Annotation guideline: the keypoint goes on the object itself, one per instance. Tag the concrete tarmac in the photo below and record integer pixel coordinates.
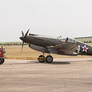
(63, 75)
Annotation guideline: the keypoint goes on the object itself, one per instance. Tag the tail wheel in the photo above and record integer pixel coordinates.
(41, 59)
(49, 59)
(2, 61)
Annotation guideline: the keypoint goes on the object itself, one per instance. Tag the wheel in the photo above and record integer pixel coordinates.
(2, 60)
(41, 59)
(49, 59)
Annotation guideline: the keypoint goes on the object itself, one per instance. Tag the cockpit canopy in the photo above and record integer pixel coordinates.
(68, 40)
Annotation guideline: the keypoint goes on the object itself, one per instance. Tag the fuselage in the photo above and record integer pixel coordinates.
(42, 41)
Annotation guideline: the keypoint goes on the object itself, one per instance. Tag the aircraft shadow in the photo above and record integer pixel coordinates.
(30, 62)
(58, 62)
(90, 60)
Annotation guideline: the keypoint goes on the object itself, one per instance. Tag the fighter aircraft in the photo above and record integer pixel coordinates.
(52, 45)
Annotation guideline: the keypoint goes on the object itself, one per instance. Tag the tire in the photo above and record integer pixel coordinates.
(2, 60)
(49, 59)
(41, 59)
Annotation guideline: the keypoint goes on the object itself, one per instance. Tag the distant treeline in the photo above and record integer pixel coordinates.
(11, 43)
(85, 39)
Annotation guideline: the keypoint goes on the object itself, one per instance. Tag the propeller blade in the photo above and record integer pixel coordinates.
(22, 45)
(22, 33)
(27, 32)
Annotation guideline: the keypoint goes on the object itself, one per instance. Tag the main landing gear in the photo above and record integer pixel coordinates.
(47, 59)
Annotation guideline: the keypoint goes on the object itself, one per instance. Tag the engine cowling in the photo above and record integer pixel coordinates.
(35, 47)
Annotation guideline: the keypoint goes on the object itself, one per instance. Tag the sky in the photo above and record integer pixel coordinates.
(68, 18)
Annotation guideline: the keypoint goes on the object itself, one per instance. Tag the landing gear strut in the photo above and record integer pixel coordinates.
(43, 59)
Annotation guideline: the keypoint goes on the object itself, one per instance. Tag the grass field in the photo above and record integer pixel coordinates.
(16, 52)
(88, 39)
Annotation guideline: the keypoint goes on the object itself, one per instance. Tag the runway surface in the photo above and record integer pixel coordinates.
(63, 75)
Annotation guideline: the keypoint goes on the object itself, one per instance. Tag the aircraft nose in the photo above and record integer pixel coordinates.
(21, 38)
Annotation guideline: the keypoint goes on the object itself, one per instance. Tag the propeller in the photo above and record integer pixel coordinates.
(22, 40)
(22, 44)
(27, 33)
(22, 33)
(23, 37)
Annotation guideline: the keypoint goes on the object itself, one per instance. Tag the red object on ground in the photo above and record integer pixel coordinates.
(1, 53)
